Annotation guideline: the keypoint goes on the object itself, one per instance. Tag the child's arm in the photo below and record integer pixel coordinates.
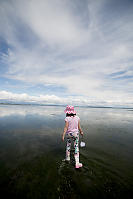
(79, 127)
(65, 130)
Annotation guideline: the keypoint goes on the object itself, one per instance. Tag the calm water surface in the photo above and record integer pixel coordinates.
(32, 154)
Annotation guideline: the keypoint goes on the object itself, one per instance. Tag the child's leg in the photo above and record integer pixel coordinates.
(76, 154)
(76, 147)
(68, 147)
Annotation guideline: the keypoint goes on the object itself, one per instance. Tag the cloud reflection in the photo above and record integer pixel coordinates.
(9, 110)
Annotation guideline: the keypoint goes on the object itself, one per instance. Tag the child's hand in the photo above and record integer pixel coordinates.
(63, 138)
(81, 133)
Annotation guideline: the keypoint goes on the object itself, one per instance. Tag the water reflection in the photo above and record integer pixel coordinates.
(31, 153)
(23, 110)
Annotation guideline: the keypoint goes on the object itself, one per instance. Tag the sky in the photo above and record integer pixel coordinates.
(77, 52)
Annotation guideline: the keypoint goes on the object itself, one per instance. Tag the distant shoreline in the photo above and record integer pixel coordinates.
(82, 106)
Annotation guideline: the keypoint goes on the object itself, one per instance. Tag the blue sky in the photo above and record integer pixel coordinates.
(67, 52)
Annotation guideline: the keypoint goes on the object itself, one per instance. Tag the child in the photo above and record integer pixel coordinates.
(72, 126)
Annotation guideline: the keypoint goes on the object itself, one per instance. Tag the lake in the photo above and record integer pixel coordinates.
(32, 154)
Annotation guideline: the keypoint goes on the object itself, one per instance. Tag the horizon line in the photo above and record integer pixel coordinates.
(63, 105)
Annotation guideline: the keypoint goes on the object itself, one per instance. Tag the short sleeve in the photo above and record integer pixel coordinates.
(66, 119)
(78, 118)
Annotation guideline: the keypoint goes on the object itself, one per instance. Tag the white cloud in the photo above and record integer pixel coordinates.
(4, 95)
(52, 21)
(68, 48)
(104, 100)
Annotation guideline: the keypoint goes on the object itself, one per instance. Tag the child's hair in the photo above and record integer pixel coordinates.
(70, 114)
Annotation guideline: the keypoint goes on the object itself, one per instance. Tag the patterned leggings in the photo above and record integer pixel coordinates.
(75, 137)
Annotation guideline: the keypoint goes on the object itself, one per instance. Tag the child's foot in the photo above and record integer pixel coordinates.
(68, 159)
(78, 165)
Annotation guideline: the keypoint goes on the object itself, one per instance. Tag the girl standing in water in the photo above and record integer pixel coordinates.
(71, 130)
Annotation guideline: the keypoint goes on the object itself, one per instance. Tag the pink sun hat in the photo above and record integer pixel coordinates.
(70, 109)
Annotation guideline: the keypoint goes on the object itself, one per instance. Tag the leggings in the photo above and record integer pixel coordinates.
(75, 137)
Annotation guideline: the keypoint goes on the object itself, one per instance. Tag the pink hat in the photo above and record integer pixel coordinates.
(70, 109)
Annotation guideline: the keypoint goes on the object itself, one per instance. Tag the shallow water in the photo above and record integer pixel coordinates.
(32, 154)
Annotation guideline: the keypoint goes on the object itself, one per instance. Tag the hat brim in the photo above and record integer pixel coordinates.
(70, 112)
